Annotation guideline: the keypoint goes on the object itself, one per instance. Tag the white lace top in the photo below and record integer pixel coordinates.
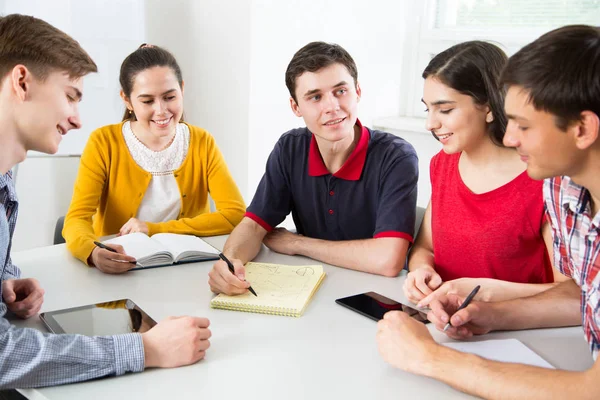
(161, 202)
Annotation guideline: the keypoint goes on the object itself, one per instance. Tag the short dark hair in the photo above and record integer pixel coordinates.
(474, 68)
(145, 57)
(315, 56)
(560, 71)
(40, 47)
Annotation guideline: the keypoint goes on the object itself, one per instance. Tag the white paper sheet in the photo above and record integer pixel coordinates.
(505, 350)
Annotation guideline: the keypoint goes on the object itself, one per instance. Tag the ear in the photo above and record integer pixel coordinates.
(182, 85)
(358, 91)
(586, 131)
(295, 108)
(126, 100)
(489, 117)
(21, 78)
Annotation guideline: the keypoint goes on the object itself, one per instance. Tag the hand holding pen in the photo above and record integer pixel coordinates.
(232, 269)
(111, 259)
(463, 305)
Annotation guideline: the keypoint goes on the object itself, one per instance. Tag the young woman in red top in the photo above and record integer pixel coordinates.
(485, 224)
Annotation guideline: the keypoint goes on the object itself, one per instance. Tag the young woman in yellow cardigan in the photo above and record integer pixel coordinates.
(150, 173)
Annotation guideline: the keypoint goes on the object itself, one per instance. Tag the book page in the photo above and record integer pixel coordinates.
(138, 245)
(278, 286)
(180, 244)
(505, 350)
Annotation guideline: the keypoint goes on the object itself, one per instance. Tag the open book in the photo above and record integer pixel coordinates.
(163, 249)
(281, 289)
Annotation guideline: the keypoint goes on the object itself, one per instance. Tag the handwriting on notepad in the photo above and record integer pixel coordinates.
(281, 283)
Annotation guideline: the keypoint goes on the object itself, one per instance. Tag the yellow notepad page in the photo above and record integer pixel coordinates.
(281, 289)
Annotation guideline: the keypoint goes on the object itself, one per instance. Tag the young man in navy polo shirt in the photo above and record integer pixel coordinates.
(351, 190)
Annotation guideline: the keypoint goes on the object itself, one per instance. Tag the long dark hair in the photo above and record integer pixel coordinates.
(474, 68)
(146, 56)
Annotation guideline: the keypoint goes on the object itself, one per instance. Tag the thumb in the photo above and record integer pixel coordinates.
(240, 271)
(435, 281)
(8, 291)
(118, 248)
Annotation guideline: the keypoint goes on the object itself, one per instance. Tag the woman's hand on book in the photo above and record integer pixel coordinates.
(222, 280)
(133, 225)
(176, 341)
(110, 262)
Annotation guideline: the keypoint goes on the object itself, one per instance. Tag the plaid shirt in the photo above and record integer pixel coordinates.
(576, 247)
(29, 358)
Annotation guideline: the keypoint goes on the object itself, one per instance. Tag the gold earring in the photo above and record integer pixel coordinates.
(130, 111)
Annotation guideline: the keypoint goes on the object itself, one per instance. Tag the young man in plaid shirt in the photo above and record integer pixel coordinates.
(553, 106)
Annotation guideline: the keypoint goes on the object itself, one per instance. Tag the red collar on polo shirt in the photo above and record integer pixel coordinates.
(352, 168)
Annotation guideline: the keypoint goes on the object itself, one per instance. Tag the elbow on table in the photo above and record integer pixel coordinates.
(391, 266)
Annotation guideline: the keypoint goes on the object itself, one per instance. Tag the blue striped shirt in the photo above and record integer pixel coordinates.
(29, 358)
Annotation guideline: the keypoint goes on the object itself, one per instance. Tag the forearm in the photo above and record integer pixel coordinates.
(34, 359)
(419, 257)
(245, 241)
(209, 224)
(79, 237)
(557, 306)
(382, 256)
(11, 271)
(494, 380)
(498, 290)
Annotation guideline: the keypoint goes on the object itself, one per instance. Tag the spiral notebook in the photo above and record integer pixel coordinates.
(282, 289)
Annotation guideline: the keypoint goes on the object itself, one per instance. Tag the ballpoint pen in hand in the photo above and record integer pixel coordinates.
(230, 265)
(463, 305)
(105, 247)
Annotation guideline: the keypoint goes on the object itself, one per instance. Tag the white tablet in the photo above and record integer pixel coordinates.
(110, 318)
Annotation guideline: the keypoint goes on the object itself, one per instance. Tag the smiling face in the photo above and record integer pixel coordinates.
(328, 102)
(454, 118)
(157, 101)
(547, 150)
(49, 110)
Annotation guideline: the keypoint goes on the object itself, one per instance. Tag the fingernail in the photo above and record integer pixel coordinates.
(457, 321)
(241, 277)
(445, 318)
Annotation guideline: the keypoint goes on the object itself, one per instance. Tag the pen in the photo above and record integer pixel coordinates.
(105, 247)
(464, 304)
(230, 265)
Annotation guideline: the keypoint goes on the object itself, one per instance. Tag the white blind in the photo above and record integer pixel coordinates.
(494, 14)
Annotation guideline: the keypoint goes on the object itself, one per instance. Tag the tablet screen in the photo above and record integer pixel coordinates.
(374, 306)
(110, 318)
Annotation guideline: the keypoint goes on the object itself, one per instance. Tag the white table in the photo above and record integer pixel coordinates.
(328, 353)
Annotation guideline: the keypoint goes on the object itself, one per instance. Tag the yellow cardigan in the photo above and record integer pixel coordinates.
(110, 186)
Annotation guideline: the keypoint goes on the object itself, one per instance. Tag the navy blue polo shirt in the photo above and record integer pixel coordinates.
(374, 193)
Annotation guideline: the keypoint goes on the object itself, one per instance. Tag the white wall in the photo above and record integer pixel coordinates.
(211, 42)
(233, 54)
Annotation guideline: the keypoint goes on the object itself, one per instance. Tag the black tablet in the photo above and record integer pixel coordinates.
(110, 318)
(373, 305)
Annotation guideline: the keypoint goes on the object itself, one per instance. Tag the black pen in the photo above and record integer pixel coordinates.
(105, 247)
(230, 265)
(464, 304)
